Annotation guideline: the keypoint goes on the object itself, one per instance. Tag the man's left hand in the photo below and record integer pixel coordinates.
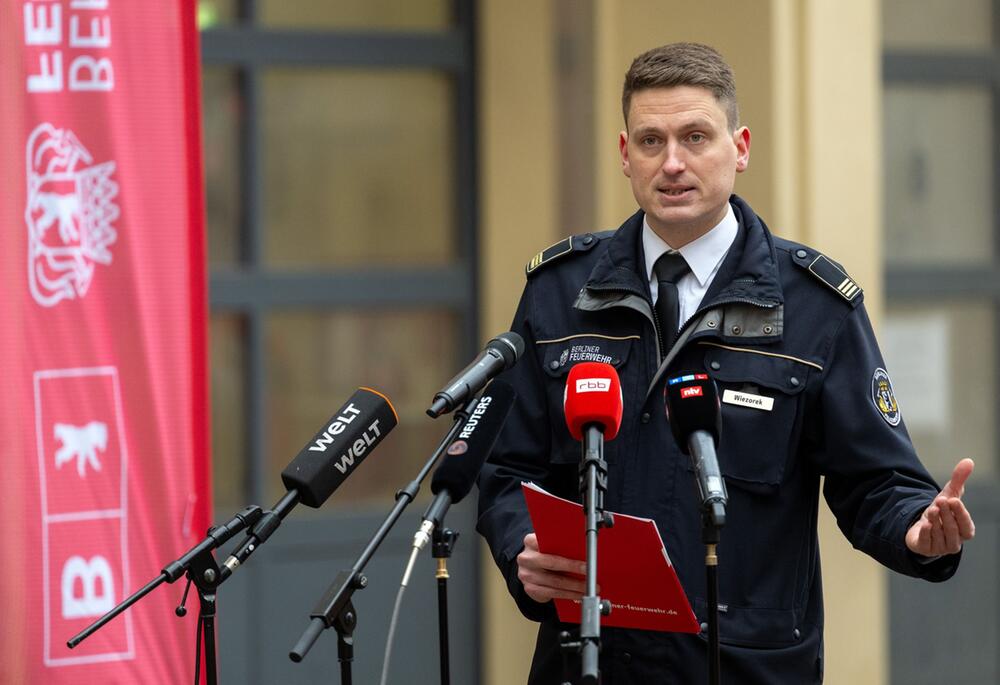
(946, 523)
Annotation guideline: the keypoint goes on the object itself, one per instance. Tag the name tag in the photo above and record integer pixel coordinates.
(745, 399)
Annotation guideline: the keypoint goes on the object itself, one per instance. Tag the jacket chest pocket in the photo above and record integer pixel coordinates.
(762, 400)
(558, 357)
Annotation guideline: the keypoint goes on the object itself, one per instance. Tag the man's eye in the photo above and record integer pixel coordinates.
(648, 140)
(697, 137)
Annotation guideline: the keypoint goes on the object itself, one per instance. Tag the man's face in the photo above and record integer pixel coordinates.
(681, 159)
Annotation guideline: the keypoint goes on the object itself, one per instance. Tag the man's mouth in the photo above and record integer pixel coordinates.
(675, 191)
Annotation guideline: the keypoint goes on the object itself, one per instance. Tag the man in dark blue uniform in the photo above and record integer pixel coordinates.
(696, 281)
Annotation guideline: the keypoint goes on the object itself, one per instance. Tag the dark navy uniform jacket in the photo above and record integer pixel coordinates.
(777, 322)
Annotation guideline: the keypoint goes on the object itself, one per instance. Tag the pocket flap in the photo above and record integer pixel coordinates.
(761, 393)
(751, 626)
(767, 369)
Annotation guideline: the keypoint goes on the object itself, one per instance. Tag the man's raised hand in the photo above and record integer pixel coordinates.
(945, 523)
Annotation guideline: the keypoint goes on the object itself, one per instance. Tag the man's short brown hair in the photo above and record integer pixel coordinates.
(683, 64)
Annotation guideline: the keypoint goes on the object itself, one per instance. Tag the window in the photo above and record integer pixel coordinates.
(940, 334)
(340, 175)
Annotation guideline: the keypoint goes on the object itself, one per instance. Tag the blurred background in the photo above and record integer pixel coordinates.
(379, 171)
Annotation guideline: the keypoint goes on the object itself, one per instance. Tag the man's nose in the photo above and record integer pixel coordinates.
(673, 162)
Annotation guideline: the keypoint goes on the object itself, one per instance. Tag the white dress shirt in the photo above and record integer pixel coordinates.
(704, 257)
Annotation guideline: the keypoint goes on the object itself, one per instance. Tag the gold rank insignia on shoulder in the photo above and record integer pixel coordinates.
(548, 254)
(835, 277)
(576, 243)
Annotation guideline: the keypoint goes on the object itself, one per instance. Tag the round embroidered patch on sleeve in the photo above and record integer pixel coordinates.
(884, 398)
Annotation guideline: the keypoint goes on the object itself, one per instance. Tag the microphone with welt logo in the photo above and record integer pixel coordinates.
(466, 455)
(695, 417)
(324, 463)
(500, 354)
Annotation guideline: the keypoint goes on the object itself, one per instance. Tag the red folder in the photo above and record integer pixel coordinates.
(633, 569)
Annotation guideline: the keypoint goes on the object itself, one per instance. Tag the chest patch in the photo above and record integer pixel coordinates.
(884, 398)
(584, 353)
(746, 399)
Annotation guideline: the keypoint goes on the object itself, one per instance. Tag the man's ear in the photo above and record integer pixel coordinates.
(741, 139)
(623, 150)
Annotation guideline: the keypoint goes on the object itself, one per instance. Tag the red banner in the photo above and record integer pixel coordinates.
(103, 389)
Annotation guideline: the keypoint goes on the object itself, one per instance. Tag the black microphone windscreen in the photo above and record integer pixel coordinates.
(510, 346)
(466, 455)
(336, 450)
(692, 405)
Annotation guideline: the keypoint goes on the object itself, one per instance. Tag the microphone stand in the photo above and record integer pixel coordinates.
(713, 518)
(199, 565)
(710, 532)
(443, 546)
(593, 485)
(335, 608)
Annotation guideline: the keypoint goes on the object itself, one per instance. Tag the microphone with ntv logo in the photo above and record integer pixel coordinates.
(695, 416)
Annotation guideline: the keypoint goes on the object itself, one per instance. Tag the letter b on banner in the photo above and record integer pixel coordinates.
(96, 583)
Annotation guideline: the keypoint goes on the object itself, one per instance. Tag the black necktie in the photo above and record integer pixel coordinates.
(669, 269)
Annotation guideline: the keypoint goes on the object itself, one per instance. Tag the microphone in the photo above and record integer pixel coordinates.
(336, 450)
(323, 464)
(593, 397)
(695, 417)
(592, 402)
(465, 457)
(500, 354)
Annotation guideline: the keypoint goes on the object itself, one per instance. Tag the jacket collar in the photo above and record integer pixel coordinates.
(747, 274)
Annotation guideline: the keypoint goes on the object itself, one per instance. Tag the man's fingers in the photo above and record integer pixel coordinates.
(937, 530)
(543, 585)
(956, 486)
(562, 564)
(556, 581)
(949, 527)
(942, 529)
(966, 526)
(531, 557)
(544, 594)
(924, 539)
(550, 562)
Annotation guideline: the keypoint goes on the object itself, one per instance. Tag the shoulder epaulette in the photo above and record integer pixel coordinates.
(575, 243)
(829, 273)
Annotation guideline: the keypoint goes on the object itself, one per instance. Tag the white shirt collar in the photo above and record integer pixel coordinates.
(702, 255)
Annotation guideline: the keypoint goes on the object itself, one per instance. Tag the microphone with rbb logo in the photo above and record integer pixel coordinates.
(593, 397)
(592, 403)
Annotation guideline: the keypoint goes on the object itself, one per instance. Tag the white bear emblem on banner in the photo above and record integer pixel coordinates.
(70, 215)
